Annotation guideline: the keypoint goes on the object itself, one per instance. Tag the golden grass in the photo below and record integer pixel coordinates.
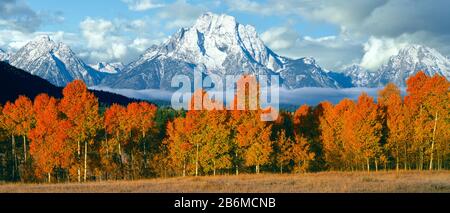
(404, 181)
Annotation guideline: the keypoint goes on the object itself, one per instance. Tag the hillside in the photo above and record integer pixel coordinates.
(15, 82)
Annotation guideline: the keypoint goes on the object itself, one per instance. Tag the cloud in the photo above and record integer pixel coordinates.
(379, 50)
(411, 21)
(116, 40)
(331, 52)
(314, 95)
(141, 5)
(296, 97)
(280, 37)
(180, 14)
(95, 31)
(147, 94)
(12, 40)
(17, 15)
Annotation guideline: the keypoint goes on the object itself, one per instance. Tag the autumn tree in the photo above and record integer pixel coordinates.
(307, 142)
(114, 123)
(428, 101)
(253, 138)
(180, 149)
(17, 120)
(49, 139)
(397, 123)
(81, 109)
(367, 129)
(139, 121)
(335, 135)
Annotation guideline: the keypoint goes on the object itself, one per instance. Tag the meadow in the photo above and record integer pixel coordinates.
(321, 182)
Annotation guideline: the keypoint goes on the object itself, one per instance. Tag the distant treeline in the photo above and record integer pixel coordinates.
(73, 138)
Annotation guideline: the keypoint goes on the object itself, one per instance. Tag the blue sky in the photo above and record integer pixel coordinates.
(336, 33)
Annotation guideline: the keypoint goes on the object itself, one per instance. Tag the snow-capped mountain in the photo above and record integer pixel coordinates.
(4, 56)
(408, 62)
(305, 72)
(359, 76)
(108, 68)
(55, 62)
(219, 45)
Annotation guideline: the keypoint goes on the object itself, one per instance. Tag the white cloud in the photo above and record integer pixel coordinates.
(17, 15)
(410, 21)
(12, 40)
(180, 14)
(116, 40)
(378, 51)
(141, 5)
(95, 31)
(141, 44)
(331, 52)
(280, 37)
(314, 95)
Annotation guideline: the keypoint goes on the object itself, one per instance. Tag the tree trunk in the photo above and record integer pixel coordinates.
(196, 162)
(13, 151)
(281, 169)
(421, 160)
(121, 163)
(85, 160)
(214, 167)
(24, 148)
(368, 165)
(237, 165)
(406, 158)
(49, 177)
(432, 143)
(79, 156)
(184, 168)
(145, 155)
(397, 159)
(257, 169)
(376, 165)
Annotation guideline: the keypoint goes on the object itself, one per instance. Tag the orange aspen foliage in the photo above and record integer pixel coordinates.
(49, 139)
(397, 123)
(81, 109)
(367, 131)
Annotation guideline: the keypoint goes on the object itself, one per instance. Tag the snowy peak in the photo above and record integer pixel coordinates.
(212, 42)
(409, 61)
(360, 77)
(222, 46)
(55, 62)
(109, 68)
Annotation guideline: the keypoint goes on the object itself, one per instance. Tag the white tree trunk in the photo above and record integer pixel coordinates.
(432, 143)
(85, 160)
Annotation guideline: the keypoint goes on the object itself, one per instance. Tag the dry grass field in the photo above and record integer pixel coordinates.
(406, 181)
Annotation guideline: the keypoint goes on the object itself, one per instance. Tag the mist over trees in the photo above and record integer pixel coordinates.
(76, 139)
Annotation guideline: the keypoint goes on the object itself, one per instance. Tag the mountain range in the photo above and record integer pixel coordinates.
(220, 45)
(55, 62)
(398, 68)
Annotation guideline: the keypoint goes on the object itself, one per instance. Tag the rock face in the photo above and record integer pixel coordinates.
(220, 45)
(55, 62)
